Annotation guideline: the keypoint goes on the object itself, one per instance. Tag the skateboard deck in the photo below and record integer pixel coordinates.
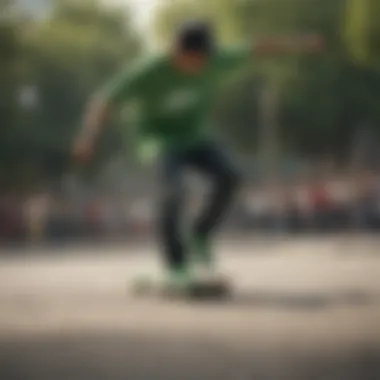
(197, 290)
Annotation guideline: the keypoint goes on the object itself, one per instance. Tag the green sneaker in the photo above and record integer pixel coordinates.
(179, 279)
(174, 282)
(203, 254)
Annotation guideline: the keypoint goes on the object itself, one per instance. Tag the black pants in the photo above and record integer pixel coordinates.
(209, 160)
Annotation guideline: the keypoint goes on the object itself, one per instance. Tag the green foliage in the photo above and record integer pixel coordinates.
(361, 31)
(62, 59)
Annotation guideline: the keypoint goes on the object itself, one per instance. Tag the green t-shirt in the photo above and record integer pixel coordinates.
(171, 107)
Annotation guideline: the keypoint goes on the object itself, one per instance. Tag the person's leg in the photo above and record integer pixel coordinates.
(212, 161)
(171, 205)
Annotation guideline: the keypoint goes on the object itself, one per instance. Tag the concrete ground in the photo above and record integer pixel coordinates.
(301, 309)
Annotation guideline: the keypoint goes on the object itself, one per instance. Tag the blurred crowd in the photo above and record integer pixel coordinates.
(320, 205)
(317, 206)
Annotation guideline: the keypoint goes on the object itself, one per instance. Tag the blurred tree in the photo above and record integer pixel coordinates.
(361, 31)
(306, 86)
(62, 60)
(10, 52)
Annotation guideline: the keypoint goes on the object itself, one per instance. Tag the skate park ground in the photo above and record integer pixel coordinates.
(302, 308)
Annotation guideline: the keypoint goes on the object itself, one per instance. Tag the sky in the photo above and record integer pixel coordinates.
(144, 9)
(144, 12)
(35, 6)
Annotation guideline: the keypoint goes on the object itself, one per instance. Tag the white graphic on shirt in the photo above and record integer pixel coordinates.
(179, 101)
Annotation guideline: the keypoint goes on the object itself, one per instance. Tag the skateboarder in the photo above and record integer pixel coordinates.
(173, 95)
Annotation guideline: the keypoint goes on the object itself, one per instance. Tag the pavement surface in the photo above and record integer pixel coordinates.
(301, 309)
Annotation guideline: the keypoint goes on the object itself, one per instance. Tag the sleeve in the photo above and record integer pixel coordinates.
(127, 84)
(233, 59)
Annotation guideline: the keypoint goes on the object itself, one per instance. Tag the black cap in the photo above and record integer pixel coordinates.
(196, 36)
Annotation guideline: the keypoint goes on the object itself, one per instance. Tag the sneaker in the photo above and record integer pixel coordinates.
(179, 279)
(205, 270)
(203, 255)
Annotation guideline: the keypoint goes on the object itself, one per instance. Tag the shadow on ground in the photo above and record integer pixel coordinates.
(134, 357)
(292, 301)
(260, 299)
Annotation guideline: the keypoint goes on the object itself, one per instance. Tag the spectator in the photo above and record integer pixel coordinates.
(93, 217)
(321, 205)
(341, 196)
(36, 215)
(256, 208)
(11, 219)
(365, 210)
(141, 214)
(304, 206)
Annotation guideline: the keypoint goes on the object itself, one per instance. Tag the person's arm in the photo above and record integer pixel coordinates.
(122, 87)
(241, 56)
(280, 45)
(96, 116)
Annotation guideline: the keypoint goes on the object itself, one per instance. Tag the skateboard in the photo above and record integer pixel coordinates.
(213, 289)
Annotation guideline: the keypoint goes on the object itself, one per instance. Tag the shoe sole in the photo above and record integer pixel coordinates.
(199, 290)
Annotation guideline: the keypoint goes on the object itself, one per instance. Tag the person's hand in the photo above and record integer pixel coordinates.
(309, 43)
(312, 43)
(83, 149)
